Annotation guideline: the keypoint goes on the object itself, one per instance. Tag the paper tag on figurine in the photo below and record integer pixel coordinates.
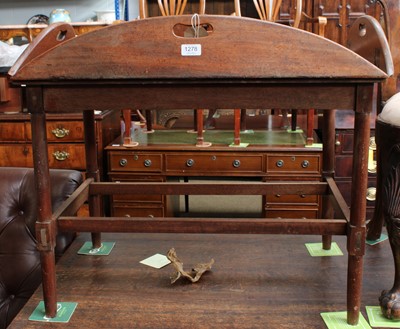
(191, 50)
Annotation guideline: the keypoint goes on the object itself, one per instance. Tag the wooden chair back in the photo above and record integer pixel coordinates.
(169, 7)
(268, 10)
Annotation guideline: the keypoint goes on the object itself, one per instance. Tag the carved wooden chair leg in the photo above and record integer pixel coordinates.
(390, 300)
(386, 135)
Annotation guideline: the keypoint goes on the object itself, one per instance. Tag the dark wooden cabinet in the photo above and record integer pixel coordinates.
(344, 159)
(343, 168)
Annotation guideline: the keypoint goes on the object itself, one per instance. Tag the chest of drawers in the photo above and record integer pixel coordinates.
(65, 135)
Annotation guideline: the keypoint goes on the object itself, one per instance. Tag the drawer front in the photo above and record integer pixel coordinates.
(291, 213)
(343, 166)
(16, 155)
(293, 199)
(137, 197)
(62, 156)
(61, 131)
(344, 142)
(135, 162)
(214, 163)
(293, 164)
(12, 131)
(137, 211)
(10, 98)
(67, 156)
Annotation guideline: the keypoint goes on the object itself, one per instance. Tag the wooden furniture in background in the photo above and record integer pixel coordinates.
(178, 83)
(64, 131)
(160, 161)
(344, 143)
(31, 31)
(65, 136)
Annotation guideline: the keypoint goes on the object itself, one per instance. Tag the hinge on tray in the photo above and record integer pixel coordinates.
(356, 240)
(46, 235)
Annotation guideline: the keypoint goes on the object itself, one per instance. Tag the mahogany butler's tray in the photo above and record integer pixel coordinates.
(243, 63)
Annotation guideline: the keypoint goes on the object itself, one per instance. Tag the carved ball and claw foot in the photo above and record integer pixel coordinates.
(390, 304)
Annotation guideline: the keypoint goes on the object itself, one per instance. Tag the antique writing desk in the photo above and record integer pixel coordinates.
(243, 63)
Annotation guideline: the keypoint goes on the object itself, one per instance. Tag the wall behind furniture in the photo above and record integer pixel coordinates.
(20, 11)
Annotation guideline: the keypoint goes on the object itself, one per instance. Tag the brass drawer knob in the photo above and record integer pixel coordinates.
(279, 163)
(371, 194)
(305, 164)
(190, 162)
(236, 163)
(372, 167)
(123, 162)
(61, 155)
(147, 163)
(60, 132)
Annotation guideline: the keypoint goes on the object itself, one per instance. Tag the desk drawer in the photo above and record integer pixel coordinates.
(62, 156)
(214, 163)
(154, 198)
(61, 131)
(16, 155)
(67, 156)
(291, 213)
(293, 164)
(137, 211)
(135, 162)
(12, 131)
(293, 199)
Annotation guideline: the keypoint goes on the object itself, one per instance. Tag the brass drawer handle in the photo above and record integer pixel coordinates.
(190, 162)
(147, 163)
(279, 163)
(123, 162)
(372, 156)
(305, 164)
(371, 194)
(236, 163)
(61, 155)
(60, 132)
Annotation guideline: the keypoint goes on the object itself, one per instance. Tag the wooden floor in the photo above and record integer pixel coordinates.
(256, 282)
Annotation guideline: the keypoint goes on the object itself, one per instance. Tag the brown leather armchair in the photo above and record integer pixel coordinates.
(20, 272)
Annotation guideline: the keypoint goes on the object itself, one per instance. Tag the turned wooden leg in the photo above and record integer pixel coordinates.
(45, 226)
(149, 120)
(236, 139)
(92, 169)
